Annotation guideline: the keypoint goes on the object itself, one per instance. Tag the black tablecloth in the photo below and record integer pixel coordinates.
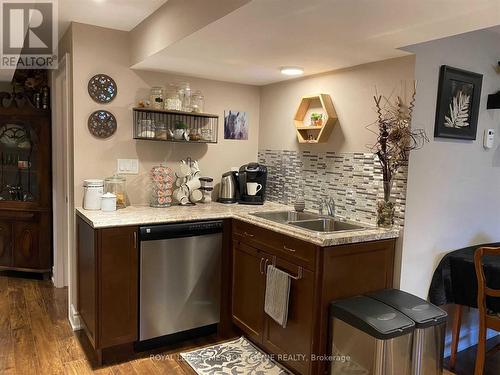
(454, 280)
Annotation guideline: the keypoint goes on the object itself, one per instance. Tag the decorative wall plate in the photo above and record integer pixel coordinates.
(102, 88)
(102, 124)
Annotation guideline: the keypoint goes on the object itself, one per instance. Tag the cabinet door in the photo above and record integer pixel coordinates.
(117, 280)
(86, 277)
(25, 147)
(248, 290)
(5, 244)
(296, 338)
(26, 240)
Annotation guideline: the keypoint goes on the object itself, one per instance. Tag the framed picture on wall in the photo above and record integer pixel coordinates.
(457, 110)
(235, 125)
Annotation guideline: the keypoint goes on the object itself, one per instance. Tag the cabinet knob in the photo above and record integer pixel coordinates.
(248, 234)
(289, 249)
(260, 266)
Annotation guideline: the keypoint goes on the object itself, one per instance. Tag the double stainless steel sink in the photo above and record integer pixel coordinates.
(308, 220)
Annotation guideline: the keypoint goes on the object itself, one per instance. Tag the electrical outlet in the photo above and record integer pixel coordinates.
(128, 166)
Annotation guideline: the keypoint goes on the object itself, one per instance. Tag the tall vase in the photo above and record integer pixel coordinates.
(386, 207)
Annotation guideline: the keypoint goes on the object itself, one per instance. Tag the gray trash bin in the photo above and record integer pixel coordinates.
(369, 337)
(430, 329)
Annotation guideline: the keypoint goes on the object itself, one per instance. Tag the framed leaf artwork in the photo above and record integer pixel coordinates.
(459, 94)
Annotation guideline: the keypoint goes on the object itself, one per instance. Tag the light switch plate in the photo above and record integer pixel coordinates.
(128, 166)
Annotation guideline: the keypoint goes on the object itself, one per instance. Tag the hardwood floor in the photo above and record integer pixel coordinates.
(466, 359)
(36, 338)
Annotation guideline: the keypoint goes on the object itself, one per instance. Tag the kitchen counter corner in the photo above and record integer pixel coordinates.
(145, 215)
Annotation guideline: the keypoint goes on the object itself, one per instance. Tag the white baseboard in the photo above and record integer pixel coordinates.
(74, 319)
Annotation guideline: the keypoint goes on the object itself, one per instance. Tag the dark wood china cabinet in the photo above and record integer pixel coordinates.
(25, 185)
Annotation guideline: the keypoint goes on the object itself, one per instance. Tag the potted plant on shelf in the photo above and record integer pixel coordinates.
(316, 119)
(395, 140)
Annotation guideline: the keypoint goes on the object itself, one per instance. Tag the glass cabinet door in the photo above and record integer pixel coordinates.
(19, 164)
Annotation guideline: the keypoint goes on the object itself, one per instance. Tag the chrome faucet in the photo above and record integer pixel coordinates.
(329, 204)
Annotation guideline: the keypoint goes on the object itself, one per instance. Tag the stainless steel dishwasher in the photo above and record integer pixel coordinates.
(180, 267)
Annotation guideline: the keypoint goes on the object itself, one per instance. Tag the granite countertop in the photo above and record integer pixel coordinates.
(144, 215)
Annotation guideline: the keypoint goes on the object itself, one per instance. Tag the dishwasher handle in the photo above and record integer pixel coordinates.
(179, 230)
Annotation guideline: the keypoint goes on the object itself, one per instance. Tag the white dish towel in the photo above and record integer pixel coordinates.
(277, 295)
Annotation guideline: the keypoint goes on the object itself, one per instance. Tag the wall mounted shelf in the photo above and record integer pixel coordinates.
(315, 133)
(157, 125)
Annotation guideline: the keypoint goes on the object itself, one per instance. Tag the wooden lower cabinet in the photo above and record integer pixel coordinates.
(26, 237)
(25, 241)
(327, 273)
(295, 340)
(107, 267)
(248, 290)
(118, 285)
(108, 285)
(249, 283)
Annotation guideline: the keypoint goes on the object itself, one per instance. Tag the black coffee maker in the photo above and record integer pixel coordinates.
(252, 183)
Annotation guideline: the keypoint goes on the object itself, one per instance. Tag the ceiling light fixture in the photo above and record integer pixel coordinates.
(292, 70)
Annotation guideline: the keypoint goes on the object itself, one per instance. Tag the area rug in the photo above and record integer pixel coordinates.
(233, 357)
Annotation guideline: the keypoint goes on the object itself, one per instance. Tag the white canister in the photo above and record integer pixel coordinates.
(108, 202)
(93, 191)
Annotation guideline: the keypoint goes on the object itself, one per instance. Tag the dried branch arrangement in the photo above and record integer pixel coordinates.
(395, 140)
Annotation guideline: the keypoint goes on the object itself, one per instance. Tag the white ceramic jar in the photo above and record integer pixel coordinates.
(93, 191)
(108, 202)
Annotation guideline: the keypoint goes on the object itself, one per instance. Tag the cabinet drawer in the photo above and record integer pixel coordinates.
(299, 252)
(296, 251)
(257, 236)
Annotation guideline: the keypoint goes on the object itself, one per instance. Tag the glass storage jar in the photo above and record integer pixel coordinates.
(117, 185)
(160, 130)
(156, 97)
(197, 101)
(172, 100)
(206, 135)
(145, 128)
(185, 96)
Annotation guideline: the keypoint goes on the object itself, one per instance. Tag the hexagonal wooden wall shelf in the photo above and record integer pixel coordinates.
(308, 132)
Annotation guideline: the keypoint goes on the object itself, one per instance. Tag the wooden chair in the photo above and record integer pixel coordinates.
(485, 321)
(455, 335)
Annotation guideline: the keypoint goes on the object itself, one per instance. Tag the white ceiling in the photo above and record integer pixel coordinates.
(115, 14)
(250, 44)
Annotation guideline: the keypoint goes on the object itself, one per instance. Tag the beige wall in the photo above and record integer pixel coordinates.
(352, 93)
(453, 185)
(99, 50)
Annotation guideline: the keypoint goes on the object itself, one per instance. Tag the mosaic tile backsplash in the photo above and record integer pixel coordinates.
(353, 180)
